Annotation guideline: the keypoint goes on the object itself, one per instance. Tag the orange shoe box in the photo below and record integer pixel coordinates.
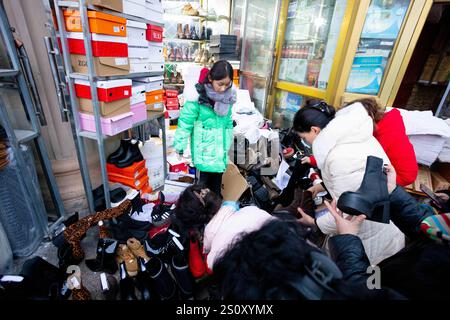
(153, 97)
(133, 171)
(137, 184)
(99, 22)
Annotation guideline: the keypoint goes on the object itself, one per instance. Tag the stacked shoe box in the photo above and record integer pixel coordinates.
(109, 43)
(172, 104)
(154, 35)
(137, 47)
(223, 47)
(114, 105)
(134, 176)
(152, 152)
(154, 92)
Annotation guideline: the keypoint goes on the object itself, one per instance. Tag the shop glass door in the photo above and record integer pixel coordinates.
(258, 45)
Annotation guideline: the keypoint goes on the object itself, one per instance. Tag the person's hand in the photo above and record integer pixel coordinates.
(443, 196)
(391, 177)
(316, 189)
(348, 225)
(306, 219)
(306, 160)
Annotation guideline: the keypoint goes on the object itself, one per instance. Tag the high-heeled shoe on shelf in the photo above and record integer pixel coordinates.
(372, 197)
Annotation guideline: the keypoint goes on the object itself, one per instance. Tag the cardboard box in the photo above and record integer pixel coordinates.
(135, 8)
(155, 107)
(107, 109)
(233, 184)
(439, 182)
(136, 34)
(115, 5)
(154, 96)
(423, 177)
(99, 22)
(107, 91)
(103, 66)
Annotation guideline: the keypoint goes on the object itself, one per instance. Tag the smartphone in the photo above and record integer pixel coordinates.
(430, 194)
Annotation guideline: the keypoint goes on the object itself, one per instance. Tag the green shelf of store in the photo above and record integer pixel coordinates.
(82, 76)
(151, 115)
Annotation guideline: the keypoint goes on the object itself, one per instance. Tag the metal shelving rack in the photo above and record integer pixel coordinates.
(17, 136)
(93, 78)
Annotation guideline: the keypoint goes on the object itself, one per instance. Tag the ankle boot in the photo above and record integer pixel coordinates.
(180, 31)
(194, 35)
(187, 34)
(372, 197)
(302, 199)
(180, 269)
(105, 260)
(164, 283)
(127, 289)
(132, 155)
(79, 292)
(203, 33)
(103, 232)
(144, 283)
(76, 231)
(124, 145)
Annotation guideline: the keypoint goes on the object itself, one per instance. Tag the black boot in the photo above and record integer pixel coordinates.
(180, 269)
(132, 155)
(144, 283)
(194, 35)
(109, 286)
(203, 34)
(372, 197)
(120, 152)
(126, 284)
(105, 260)
(164, 283)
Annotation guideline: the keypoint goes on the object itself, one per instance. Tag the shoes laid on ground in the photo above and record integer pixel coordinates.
(105, 259)
(126, 257)
(127, 287)
(137, 249)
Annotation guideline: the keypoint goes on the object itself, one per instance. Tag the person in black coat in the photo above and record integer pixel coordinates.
(279, 262)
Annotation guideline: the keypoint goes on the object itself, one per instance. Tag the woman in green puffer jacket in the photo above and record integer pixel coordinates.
(208, 123)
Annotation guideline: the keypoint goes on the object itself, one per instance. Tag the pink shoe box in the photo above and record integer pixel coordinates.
(110, 126)
(139, 111)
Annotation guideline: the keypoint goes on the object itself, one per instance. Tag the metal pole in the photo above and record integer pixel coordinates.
(162, 123)
(94, 97)
(74, 118)
(442, 102)
(28, 105)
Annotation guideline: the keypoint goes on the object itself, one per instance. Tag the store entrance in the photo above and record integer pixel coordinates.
(426, 81)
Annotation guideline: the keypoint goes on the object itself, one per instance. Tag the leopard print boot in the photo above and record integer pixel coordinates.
(75, 232)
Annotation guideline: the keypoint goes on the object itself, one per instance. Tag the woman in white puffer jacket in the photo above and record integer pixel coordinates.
(341, 145)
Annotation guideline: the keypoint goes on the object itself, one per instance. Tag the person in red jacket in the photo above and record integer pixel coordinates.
(389, 130)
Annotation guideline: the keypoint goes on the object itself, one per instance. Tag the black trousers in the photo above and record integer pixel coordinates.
(212, 180)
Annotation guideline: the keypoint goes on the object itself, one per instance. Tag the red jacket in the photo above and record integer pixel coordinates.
(391, 134)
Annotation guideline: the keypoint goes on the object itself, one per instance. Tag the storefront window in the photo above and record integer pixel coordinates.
(381, 28)
(285, 107)
(312, 32)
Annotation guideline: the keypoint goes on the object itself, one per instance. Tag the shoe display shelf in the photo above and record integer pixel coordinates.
(93, 79)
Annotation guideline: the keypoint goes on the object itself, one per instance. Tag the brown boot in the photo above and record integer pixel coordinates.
(124, 254)
(76, 231)
(302, 199)
(187, 34)
(137, 248)
(180, 31)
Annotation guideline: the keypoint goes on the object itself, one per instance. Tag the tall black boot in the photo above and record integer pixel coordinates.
(126, 284)
(372, 197)
(105, 260)
(145, 283)
(119, 153)
(164, 283)
(180, 269)
(132, 155)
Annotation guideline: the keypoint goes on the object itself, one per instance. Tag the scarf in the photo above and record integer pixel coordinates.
(219, 101)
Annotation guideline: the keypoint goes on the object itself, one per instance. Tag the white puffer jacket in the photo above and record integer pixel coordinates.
(341, 151)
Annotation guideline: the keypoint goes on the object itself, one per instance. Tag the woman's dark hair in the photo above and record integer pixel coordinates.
(190, 213)
(372, 107)
(220, 70)
(314, 113)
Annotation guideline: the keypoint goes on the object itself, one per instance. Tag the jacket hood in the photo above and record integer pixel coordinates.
(352, 124)
(391, 122)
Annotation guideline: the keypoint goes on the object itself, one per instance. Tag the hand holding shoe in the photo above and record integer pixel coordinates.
(306, 219)
(347, 225)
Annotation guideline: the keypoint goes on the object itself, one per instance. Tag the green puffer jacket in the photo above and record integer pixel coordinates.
(211, 136)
